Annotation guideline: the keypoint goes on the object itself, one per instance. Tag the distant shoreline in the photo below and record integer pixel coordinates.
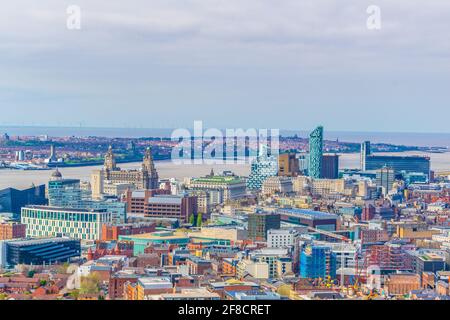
(431, 139)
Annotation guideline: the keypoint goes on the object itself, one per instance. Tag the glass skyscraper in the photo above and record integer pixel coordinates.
(365, 152)
(263, 167)
(316, 152)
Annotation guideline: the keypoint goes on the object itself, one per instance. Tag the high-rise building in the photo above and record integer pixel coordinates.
(316, 153)
(259, 223)
(385, 179)
(330, 166)
(262, 167)
(288, 165)
(317, 262)
(365, 152)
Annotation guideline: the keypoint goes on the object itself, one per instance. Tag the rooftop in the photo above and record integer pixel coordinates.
(319, 215)
(218, 179)
(155, 282)
(49, 208)
(29, 242)
(167, 199)
(158, 235)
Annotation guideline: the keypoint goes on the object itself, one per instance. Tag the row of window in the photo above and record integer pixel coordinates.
(68, 216)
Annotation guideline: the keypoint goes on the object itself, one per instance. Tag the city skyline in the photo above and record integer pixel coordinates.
(226, 157)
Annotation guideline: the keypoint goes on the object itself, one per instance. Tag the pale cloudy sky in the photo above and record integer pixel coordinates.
(289, 64)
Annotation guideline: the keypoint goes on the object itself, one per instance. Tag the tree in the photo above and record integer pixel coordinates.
(62, 268)
(199, 220)
(90, 284)
(192, 220)
(74, 294)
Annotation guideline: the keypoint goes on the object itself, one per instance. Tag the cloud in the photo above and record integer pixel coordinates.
(222, 54)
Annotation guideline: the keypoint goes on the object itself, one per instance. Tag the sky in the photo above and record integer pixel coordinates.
(286, 64)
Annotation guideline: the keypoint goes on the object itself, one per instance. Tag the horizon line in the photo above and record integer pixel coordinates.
(190, 128)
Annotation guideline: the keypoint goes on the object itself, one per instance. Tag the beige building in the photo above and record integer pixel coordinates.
(258, 270)
(323, 187)
(400, 284)
(277, 185)
(145, 178)
(214, 233)
(117, 189)
(284, 267)
(231, 187)
(301, 185)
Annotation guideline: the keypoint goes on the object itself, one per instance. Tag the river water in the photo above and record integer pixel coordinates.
(167, 169)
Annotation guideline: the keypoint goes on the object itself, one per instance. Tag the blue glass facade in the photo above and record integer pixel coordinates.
(407, 164)
(263, 167)
(316, 153)
(317, 262)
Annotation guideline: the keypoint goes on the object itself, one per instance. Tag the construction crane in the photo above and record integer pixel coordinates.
(359, 270)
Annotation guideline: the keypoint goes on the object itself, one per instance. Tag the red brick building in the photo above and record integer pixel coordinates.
(158, 204)
(117, 284)
(148, 260)
(368, 213)
(162, 250)
(198, 266)
(112, 232)
(12, 230)
(102, 249)
(373, 236)
(136, 200)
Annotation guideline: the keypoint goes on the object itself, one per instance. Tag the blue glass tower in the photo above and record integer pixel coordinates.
(316, 153)
(263, 167)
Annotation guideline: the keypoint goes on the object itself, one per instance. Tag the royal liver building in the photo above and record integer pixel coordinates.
(145, 178)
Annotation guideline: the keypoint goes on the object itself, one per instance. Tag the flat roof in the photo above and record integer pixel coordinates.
(155, 282)
(166, 199)
(49, 208)
(34, 241)
(319, 215)
(156, 236)
(233, 282)
(219, 179)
